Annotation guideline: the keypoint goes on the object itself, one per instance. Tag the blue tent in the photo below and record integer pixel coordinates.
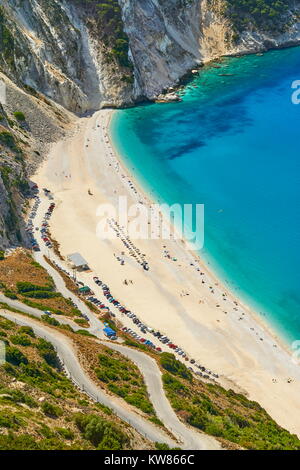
(109, 332)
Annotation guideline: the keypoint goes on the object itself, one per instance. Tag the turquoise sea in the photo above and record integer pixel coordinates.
(233, 145)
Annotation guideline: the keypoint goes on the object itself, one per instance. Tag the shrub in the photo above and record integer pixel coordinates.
(27, 330)
(173, 384)
(84, 333)
(17, 396)
(41, 294)
(80, 321)
(102, 434)
(156, 420)
(53, 411)
(20, 339)
(29, 287)
(198, 419)
(161, 446)
(50, 320)
(15, 356)
(47, 352)
(7, 139)
(19, 116)
(45, 431)
(134, 344)
(110, 443)
(104, 408)
(169, 362)
(65, 433)
(106, 375)
(138, 401)
(10, 295)
(6, 324)
(2, 257)
(14, 442)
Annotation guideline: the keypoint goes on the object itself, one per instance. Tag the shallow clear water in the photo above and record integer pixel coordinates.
(232, 144)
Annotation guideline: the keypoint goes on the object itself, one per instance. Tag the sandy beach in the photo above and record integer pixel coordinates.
(180, 298)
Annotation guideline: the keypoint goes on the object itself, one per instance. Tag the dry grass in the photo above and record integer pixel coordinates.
(20, 267)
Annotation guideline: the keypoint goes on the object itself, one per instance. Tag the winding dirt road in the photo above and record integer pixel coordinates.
(190, 439)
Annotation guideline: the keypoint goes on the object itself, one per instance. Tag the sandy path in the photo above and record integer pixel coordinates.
(170, 297)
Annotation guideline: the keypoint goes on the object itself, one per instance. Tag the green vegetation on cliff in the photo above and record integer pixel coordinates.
(6, 40)
(108, 18)
(123, 378)
(263, 15)
(223, 413)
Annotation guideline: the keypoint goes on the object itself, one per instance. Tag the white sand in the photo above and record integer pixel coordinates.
(224, 343)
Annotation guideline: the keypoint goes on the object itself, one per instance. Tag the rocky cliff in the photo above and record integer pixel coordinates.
(169, 37)
(28, 124)
(84, 54)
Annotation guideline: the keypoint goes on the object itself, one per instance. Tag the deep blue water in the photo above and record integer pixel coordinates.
(232, 144)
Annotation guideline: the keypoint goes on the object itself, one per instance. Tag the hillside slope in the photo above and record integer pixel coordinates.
(28, 124)
(42, 410)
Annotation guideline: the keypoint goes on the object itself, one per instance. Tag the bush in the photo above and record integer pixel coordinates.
(80, 321)
(161, 446)
(198, 419)
(134, 344)
(6, 138)
(50, 320)
(2, 257)
(47, 352)
(20, 339)
(102, 434)
(29, 287)
(14, 442)
(106, 375)
(53, 411)
(84, 333)
(6, 420)
(65, 433)
(27, 330)
(15, 356)
(41, 294)
(10, 295)
(17, 396)
(169, 362)
(19, 116)
(6, 324)
(173, 384)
